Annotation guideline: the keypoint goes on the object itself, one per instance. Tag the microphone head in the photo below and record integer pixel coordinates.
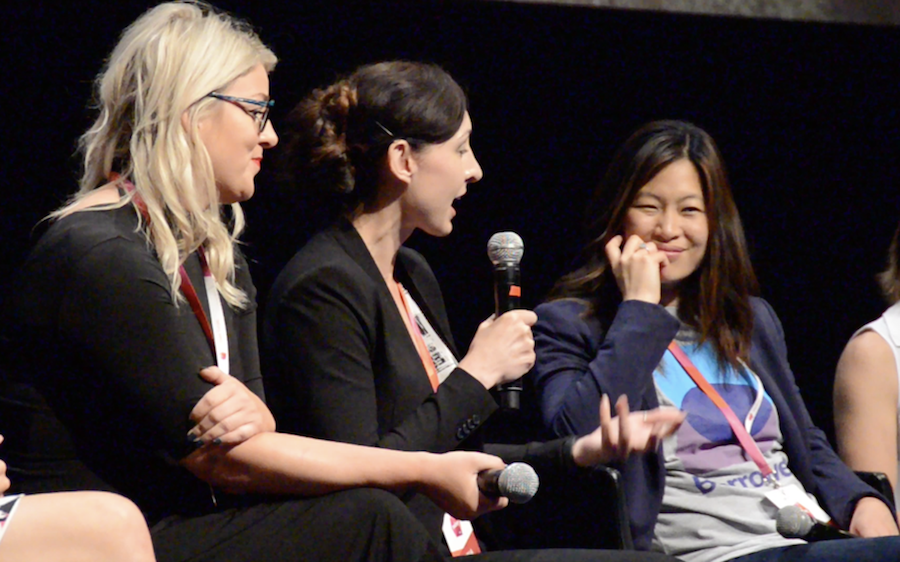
(518, 482)
(793, 523)
(505, 247)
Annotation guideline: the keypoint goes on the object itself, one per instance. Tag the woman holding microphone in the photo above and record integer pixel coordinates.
(356, 324)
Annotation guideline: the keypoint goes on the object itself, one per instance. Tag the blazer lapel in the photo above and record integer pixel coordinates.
(407, 271)
(351, 242)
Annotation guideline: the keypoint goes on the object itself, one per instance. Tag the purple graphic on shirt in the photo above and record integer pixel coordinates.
(705, 441)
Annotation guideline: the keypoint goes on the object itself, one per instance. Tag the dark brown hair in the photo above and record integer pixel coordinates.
(338, 136)
(714, 300)
(889, 279)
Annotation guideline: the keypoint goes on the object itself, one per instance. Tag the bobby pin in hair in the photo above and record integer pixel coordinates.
(385, 129)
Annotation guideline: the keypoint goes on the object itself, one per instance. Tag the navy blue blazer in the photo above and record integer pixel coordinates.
(578, 360)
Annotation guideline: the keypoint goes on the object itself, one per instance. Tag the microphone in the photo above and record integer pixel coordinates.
(518, 482)
(794, 523)
(505, 251)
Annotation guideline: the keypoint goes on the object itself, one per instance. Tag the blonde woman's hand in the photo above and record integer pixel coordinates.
(229, 413)
(502, 349)
(628, 433)
(636, 266)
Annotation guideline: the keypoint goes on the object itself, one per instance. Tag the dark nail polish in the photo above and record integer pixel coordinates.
(217, 441)
(194, 440)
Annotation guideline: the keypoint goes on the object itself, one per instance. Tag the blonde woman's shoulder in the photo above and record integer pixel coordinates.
(103, 197)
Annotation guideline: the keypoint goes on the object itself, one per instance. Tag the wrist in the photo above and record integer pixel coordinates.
(478, 372)
(643, 297)
(580, 455)
(586, 454)
(577, 451)
(422, 466)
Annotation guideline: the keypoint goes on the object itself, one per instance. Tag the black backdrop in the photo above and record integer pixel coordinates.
(804, 113)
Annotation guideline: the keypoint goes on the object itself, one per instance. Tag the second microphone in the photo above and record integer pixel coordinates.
(505, 250)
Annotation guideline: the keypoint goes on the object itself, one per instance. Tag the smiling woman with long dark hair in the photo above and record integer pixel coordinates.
(663, 313)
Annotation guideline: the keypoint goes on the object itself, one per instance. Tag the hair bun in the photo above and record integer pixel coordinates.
(333, 106)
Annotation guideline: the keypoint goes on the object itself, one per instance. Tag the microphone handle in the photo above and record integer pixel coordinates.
(821, 532)
(489, 482)
(507, 296)
(507, 287)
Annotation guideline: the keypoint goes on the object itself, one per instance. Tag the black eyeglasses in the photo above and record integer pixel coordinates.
(260, 116)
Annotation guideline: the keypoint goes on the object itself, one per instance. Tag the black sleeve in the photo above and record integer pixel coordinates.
(547, 458)
(144, 352)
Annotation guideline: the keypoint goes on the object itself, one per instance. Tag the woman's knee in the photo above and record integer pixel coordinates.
(121, 525)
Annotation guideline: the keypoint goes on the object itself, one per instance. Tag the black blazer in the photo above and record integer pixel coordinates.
(340, 363)
(344, 362)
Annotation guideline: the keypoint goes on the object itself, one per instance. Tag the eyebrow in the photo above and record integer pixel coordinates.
(658, 198)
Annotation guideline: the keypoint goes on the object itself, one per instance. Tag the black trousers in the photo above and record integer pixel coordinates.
(569, 555)
(362, 525)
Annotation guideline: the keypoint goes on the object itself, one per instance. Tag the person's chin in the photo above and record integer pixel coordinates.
(440, 231)
(238, 196)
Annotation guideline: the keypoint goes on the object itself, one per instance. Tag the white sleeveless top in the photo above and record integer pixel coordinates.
(888, 327)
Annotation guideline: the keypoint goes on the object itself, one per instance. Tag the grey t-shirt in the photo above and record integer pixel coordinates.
(714, 507)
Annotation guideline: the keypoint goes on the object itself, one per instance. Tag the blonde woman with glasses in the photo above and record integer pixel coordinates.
(135, 317)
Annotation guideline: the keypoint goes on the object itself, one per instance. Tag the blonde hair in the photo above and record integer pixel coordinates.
(164, 65)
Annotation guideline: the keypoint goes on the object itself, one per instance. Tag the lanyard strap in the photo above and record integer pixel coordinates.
(742, 434)
(421, 348)
(216, 334)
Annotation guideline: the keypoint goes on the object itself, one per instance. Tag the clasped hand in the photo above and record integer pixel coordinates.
(628, 433)
(229, 413)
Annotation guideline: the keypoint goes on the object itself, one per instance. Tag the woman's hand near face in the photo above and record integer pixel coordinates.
(628, 433)
(503, 348)
(636, 268)
(452, 483)
(229, 412)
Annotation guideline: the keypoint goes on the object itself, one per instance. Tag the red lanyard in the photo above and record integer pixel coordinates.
(187, 288)
(191, 295)
(743, 437)
(427, 361)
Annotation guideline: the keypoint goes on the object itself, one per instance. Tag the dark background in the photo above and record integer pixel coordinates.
(804, 113)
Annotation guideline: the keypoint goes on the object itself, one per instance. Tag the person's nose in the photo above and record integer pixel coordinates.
(669, 225)
(268, 138)
(474, 172)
